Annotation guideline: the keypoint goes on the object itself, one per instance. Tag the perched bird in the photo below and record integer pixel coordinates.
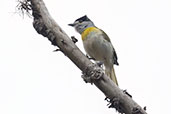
(97, 44)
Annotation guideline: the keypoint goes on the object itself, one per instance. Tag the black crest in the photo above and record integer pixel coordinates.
(84, 18)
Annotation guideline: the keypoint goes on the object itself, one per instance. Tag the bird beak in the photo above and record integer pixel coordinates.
(72, 25)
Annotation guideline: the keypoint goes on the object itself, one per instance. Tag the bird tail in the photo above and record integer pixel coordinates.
(111, 73)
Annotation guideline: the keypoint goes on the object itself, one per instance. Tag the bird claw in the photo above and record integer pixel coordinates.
(90, 58)
(99, 63)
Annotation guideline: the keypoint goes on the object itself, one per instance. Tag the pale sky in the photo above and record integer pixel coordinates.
(36, 80)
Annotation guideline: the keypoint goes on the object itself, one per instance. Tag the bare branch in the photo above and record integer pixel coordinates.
(46, 26)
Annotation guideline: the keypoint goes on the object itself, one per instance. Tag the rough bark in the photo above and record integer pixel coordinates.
(46, 26)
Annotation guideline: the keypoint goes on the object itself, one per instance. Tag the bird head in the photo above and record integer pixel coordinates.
(81, 24)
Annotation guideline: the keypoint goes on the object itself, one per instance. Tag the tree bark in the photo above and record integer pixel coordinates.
(45, 25)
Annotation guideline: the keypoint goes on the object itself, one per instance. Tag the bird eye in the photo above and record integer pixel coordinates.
(80, 21)
(85, 26)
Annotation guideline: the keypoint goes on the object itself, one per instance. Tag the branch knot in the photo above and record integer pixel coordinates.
(136, 110)
(91, 73)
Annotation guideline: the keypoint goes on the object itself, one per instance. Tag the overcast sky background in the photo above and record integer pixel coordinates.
(36, 80)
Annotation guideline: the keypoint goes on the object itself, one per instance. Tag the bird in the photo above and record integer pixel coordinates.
(97, 45)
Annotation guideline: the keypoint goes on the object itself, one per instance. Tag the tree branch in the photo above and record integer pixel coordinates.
(46, 26)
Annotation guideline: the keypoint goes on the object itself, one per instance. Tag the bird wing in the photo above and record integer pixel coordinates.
(105, 36)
